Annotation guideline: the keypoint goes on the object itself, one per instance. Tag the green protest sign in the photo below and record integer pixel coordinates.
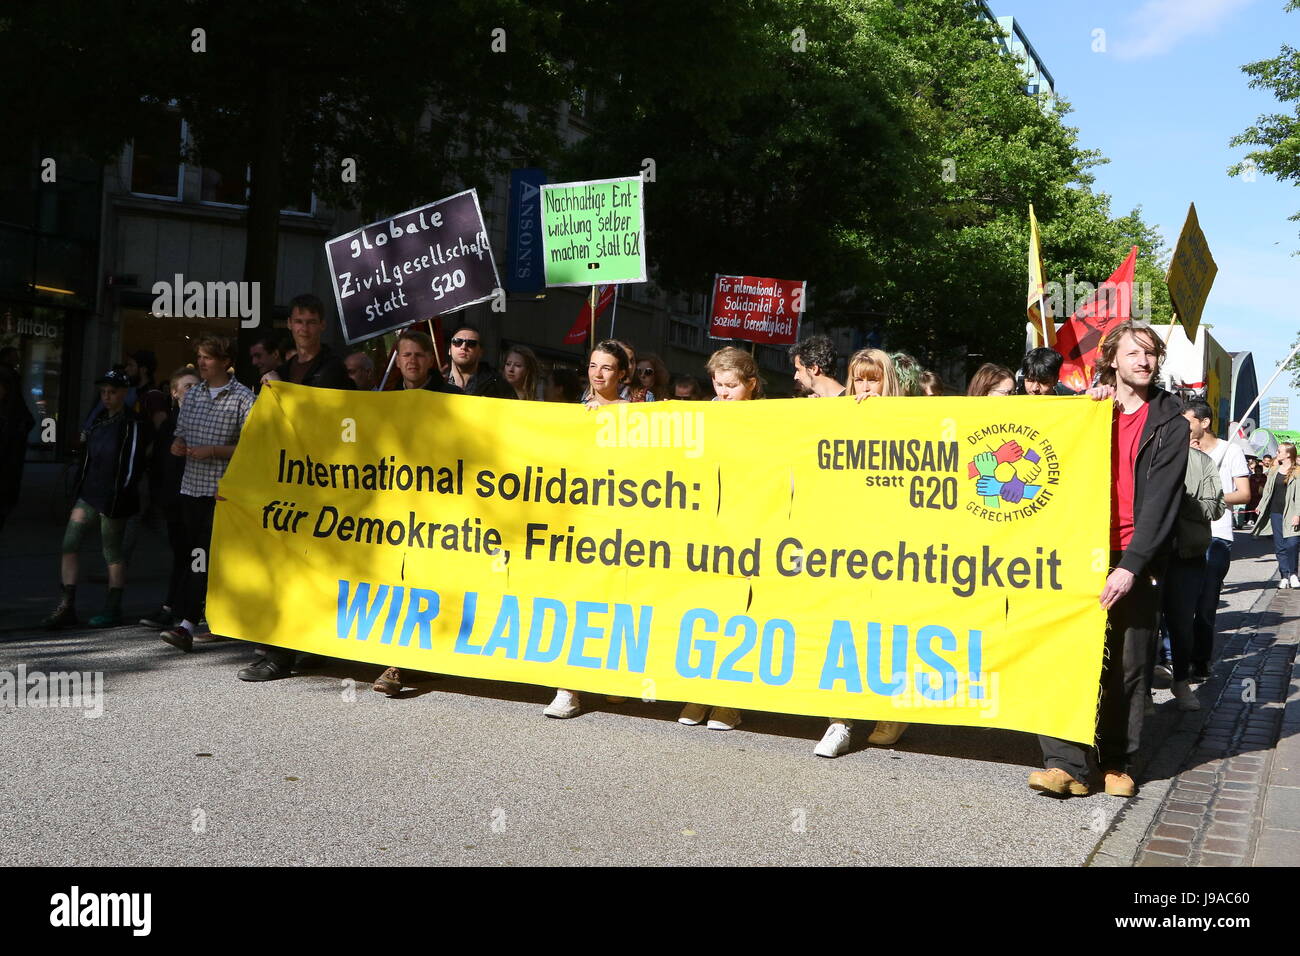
(592, 232)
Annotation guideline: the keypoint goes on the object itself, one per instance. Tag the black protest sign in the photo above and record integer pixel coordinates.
(412, 266)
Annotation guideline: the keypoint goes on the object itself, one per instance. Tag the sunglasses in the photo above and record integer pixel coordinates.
(645, 371)
(464, 343)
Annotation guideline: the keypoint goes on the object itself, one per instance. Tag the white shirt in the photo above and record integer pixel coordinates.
(1231, 462)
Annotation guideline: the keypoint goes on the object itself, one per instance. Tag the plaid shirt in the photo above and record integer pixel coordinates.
(205, 420)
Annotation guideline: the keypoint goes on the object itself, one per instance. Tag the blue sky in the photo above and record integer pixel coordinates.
(1161, 102)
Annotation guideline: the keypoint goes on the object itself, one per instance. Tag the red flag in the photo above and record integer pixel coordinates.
(582, 327)
(1080, 337)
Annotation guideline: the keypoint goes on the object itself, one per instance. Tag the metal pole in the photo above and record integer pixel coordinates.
(1267, 385)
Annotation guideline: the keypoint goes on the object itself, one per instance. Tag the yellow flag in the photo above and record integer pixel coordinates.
(1042, 326)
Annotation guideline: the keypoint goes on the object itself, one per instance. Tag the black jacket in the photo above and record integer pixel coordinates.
(485, 382)
(326, 370)
(1158, 474)
(115, 460)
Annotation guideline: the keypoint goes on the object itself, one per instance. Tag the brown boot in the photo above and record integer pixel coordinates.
(389, 682)
(1056, 780)
(1119, 784)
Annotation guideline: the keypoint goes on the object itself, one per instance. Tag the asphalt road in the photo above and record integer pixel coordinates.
(188, 765)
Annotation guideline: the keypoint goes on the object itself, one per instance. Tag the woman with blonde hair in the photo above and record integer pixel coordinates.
(872, 372)
(1279, 510)
(522, 371)
(735, 379)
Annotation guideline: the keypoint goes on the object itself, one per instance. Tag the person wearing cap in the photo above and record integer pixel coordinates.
(107, 489)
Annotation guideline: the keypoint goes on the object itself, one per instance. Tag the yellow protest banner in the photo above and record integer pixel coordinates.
(1191, 273)
(933, 560)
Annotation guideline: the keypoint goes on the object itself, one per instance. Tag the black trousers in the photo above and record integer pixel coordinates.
(1125, 686)
(178, 542)
(196, 515)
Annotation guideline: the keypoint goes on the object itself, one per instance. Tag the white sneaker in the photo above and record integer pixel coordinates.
(1295, 580)
(835, 741)
(1284, 584)
(886, 733)
(693, 714)
(1185, 696)
(724, 718)
(566, 704)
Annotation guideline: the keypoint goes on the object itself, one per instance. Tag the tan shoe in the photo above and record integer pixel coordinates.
(389, 682)
(1056, 780)
(1119, 784)
(887, 733)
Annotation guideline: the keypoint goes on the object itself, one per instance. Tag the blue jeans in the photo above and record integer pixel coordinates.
(1217, 560)
(1286, 548)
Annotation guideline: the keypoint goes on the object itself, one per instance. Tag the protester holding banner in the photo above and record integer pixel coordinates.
(814, 367)
(1040, 373)
(735, 375)
(313, 363)
(991, 379)
(872, 372)
(521, 370)
(1279, 511)
(735, 379)
(207, 428)
(1148, 467)
(607, 371)
(107, 489)
(1234, 475)
(469, 371)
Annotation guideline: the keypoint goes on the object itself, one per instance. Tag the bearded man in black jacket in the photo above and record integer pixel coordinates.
(1148, 463)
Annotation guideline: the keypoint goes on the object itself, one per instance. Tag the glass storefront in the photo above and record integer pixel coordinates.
(39, 335)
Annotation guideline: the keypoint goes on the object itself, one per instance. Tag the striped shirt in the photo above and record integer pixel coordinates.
(208, 420)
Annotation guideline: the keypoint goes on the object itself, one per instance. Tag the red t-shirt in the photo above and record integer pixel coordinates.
(1126, 431)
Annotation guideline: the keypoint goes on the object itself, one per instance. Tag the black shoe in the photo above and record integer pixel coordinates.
(265, 669)
(65, 615)
(1200, 673)
(179, 637)
(162, 619)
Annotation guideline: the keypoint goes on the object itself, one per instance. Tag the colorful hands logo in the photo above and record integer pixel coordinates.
(1008, 474)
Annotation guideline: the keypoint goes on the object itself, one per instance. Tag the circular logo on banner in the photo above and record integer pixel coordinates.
(1012, 472)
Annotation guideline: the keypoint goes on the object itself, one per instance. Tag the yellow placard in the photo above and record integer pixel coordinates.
(934, 560)
(1191, 273)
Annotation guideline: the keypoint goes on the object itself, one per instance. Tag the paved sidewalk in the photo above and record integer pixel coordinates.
(1223, 789)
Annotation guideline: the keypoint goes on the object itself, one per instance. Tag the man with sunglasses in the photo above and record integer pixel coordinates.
(469, 372)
